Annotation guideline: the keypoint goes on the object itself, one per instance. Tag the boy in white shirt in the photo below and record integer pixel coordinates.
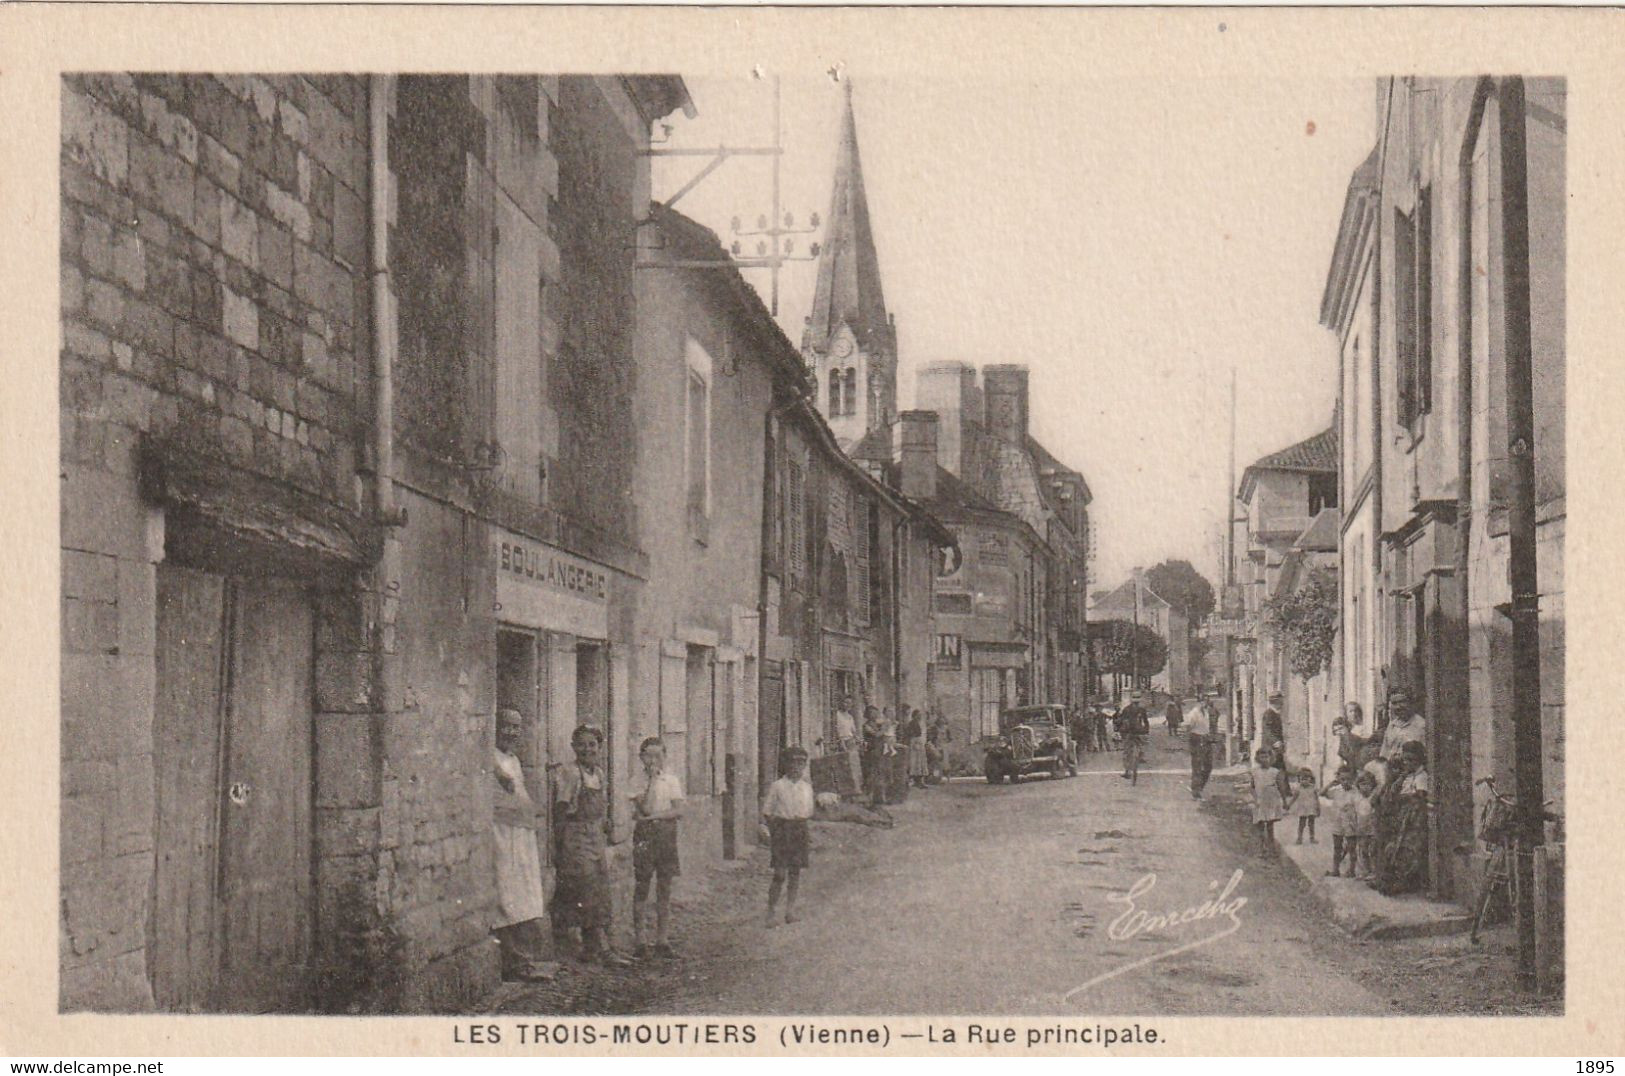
(654, 847)
(785, 811)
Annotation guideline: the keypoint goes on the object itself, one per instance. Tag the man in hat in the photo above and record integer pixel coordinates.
(1133, 726)
(1273, 731)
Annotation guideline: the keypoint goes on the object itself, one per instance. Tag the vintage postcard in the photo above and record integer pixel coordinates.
(811, 531)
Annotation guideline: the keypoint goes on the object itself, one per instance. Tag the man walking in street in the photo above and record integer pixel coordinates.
(1200, 736)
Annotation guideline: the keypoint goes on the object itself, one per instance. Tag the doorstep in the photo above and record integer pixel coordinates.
(1361, 910)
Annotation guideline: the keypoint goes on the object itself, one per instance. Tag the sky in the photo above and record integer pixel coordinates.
(1132, 242)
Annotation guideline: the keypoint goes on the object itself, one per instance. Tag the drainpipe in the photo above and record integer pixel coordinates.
(1521, 566)
(1462, 605)
(383, 311)
(897, 613)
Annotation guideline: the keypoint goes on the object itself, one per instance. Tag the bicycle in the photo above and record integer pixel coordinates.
(1132, 749)
(1499, 827)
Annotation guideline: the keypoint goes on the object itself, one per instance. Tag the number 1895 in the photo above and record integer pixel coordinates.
(1601, 1068)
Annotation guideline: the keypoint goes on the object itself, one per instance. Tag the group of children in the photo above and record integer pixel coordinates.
(1353, 813)
(657, 805)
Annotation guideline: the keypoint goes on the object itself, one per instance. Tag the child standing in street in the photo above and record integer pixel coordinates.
(654, 847)
(1305, 806)
(1365, 821)
(785, 811)
(1342, 795)
(1270, 795)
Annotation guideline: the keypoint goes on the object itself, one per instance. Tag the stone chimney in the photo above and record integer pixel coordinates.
(949, 389)
(1005, 389)
(917, 454)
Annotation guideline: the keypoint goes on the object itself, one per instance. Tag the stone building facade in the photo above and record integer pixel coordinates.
(1010, 607)
(712, 365)
(1450, 257)
(848, 562)
(319, 522)
(1283, 495)
(1154, 612)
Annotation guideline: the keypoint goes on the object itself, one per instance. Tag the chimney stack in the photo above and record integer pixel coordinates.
(1005, 389)
(917, 454)
(949, 389)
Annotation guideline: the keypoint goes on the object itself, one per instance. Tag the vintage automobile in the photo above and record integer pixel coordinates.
(1032, 739)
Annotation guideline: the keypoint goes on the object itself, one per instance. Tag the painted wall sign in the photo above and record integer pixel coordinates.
(544, 566)
(542, 587)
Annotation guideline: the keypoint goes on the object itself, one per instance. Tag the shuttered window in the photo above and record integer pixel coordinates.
(861, 512)
(795, 531)
(1405, 314)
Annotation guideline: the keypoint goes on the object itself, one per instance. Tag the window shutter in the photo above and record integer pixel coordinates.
(860, 556)
(795, 533)
(1424, 301)
(1405, 316)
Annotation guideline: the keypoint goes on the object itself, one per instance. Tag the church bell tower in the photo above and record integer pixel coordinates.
(850, 341)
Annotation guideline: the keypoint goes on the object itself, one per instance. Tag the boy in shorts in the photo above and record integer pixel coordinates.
(785, 812)
(657, 807)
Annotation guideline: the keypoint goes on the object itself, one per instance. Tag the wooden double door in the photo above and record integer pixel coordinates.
(231, 923)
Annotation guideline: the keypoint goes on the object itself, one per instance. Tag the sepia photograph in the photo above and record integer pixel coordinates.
(809, 541)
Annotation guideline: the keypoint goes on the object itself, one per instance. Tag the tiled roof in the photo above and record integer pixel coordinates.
(1317, 453)
(954, 493)
(874, 445)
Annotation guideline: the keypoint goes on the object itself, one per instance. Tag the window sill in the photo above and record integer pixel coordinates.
(1414, 434)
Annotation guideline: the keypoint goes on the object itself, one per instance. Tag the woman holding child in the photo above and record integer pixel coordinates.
(1402, 822)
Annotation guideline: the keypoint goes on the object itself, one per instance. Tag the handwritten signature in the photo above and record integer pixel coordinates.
(1134, 920)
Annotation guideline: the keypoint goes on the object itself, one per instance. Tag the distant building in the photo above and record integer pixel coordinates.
(1008, 608)
(1283, 495)
(1011, 611)
(1161, 617)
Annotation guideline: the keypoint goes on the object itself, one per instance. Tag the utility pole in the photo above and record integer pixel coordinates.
(1521, 562)
(1134, 639)
(1230, 583)
(773, 250)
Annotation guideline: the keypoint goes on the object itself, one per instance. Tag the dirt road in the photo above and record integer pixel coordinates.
(1023, 900)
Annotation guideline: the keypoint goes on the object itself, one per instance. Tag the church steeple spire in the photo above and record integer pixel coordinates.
(848, 288)
(850, 340)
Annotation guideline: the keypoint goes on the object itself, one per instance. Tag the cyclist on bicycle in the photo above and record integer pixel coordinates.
(1133, 725)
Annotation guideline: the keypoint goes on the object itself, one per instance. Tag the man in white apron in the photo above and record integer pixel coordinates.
(521, 902)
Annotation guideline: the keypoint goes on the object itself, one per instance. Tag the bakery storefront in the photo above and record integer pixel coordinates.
(558, 662)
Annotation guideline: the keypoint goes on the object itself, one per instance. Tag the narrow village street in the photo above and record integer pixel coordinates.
(998, 900)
